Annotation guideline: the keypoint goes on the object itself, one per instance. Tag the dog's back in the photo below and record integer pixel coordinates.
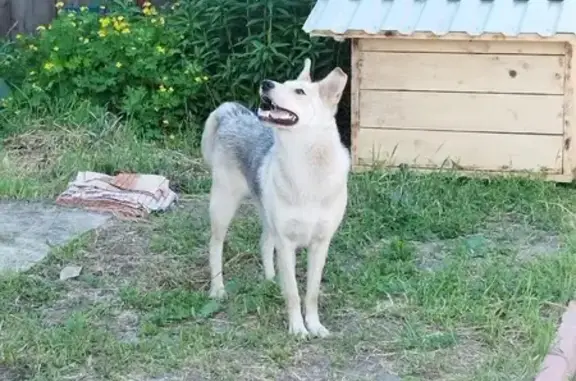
(234, 137)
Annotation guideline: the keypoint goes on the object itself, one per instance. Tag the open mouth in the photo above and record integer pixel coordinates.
(272, 113)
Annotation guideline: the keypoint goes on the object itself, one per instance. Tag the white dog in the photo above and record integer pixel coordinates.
(290, 161)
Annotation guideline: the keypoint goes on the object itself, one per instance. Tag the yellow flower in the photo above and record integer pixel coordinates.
(162, 89)
(160, 49)
(102, 33)
(104, 22)
(170, 89)
(85, 40)
(19, 36)
(32, 47)
(205, 78)
(172, 137)
(83, 9)
(118, 65)
(120, 18)
(147, 4)
(48, 66)
(73, 24)
(198, 79)
(41, 28)
(59, 4)
(55, 48)
(119, 26)
(149, 11)
(153, 21)
(125, 31)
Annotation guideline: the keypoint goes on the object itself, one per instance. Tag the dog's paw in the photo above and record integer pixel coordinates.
(218, 293)
(298, 330)
(318, 330)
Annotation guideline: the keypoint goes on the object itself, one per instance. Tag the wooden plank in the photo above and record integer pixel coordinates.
(356, 68)
(463, 46)
(569, 165)
(452, 36)
(556, 177)
(520, 113)
(462, 72)
(467, 151)
(5, 19)
(27, 15)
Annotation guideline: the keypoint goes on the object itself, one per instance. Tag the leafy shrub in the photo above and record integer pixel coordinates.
(245, 41)
(164, 67)
(128, 60)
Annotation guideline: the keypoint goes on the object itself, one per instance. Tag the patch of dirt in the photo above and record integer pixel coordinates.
(118, 251)
(75, 300)
(9, 374)
(526, 242)
(126, 328)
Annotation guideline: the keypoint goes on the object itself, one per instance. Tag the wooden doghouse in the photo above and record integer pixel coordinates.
(471, 85)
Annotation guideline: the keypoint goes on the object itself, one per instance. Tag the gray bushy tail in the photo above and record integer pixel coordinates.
(208, 136)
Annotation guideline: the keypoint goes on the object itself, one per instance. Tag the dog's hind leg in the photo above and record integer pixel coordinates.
(317, 253)
(267, 248)
(225, 198)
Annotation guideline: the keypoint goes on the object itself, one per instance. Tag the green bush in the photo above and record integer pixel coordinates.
(127, 60)
(164, 68)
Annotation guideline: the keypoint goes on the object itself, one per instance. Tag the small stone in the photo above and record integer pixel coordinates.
(70, 272)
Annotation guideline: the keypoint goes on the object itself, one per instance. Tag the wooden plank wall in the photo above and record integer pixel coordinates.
(490, 106)
(24, 16)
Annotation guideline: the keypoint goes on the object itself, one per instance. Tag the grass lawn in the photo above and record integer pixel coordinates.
(429, 277)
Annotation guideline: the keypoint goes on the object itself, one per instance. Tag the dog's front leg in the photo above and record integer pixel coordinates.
(286, 256)
(317, 253)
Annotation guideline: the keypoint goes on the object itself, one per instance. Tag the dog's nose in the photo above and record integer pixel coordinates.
(267, 85)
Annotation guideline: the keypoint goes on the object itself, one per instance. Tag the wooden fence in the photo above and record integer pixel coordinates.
(24, 16)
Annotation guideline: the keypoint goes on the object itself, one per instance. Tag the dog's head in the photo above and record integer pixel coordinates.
(301, 102)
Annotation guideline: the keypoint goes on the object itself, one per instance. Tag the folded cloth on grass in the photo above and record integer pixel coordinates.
(129, 195)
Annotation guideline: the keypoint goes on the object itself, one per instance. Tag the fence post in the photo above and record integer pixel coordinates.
(5, 18)
(27, 15)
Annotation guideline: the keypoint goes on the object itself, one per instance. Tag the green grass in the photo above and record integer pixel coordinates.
(430, 277)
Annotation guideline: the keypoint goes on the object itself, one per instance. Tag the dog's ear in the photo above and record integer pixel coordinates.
(332, 86)
(305, 73)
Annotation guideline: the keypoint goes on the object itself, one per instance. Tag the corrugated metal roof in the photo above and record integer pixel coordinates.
(474, 17)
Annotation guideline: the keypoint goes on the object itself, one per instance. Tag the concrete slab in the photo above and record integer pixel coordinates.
(28, 231)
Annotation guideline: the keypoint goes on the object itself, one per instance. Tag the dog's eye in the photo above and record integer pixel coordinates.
(300, 92)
